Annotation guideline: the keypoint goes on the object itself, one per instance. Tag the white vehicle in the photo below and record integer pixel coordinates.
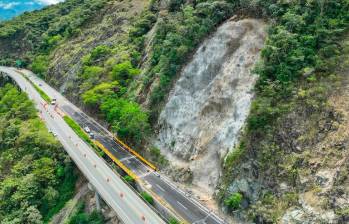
(87, 129)
(92, 136)
(53, 102)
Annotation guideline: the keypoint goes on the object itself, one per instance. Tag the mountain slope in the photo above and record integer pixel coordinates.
(120, 61)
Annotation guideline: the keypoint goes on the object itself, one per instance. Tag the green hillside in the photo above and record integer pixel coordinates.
(119, 60)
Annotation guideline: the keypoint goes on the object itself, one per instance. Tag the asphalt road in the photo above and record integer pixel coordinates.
(172, 197)
(130, 208)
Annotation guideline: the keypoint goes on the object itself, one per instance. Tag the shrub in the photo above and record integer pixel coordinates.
(235, 155)
(147, 197)
(92, 72)
(234, 201)
(157, 157)
(129, 179)
(173, 220)
(99, 52)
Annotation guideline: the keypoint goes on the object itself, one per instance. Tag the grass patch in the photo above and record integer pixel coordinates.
(42, 93)
(37, 88)
(77, 129)
(234, 156)
(157, 157)
(173, 220)
(147, 197)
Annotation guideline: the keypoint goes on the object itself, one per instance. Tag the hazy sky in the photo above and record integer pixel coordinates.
(11, 8)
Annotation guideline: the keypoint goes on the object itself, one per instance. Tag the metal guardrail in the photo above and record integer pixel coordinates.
(118, 162)
(129, 172)
(135, 153)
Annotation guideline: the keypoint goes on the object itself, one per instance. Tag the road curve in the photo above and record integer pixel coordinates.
(181, 203)
(130, 208)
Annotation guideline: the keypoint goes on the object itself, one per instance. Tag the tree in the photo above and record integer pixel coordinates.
(96, 95)
(124, 72)
(44, 170)
(127, 119)
(129, 179)
(32, 215)
(92, 72)
(50, 197)
(40, 65)
(33, 170)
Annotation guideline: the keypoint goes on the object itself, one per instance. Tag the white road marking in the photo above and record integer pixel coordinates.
(144, 175)
(182, 205)
(127, 158)
(160, 187)
(98, 127)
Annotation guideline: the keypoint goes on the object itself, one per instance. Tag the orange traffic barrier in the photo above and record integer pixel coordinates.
(59, 111)
(118, 162)
(135, 153)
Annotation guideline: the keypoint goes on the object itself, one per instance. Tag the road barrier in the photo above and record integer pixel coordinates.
(118, 162)
(135, 153)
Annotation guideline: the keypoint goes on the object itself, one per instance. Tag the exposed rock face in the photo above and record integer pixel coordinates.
(211, 100)
(299, 174)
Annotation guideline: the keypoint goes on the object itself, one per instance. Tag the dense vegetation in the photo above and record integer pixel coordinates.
(41, 31)
(116, 77)
(81, 217)
(108, 75)
(295, 76)
(36, 176)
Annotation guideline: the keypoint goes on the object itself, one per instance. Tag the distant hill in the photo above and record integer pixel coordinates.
(12, 8)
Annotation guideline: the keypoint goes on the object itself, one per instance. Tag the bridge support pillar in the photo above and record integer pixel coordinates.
(98, 201)
(97, 197)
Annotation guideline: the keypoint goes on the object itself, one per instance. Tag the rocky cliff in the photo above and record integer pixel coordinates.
(243, 101)
(209, 104)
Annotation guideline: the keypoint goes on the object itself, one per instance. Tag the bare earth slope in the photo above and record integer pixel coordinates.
(210, 102)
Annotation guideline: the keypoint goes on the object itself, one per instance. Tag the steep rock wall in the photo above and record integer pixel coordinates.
(211, 100)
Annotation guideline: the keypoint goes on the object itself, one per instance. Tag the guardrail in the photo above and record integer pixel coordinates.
(129, 172)
(118, 162)
(135, 153)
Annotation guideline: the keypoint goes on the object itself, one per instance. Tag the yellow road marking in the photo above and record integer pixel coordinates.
(165, 204)
(111, 156)
(135, 153)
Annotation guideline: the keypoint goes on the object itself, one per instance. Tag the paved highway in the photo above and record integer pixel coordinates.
(129, 206)
(166, 192)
